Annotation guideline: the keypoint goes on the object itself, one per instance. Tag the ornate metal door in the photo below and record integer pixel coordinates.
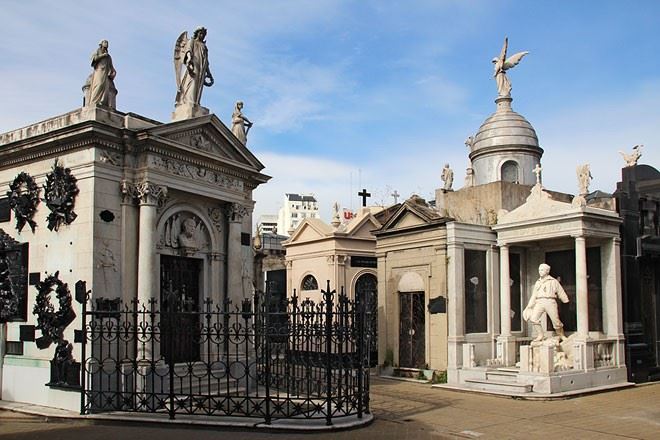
(411, 330)
(179, 295)
(366, 291)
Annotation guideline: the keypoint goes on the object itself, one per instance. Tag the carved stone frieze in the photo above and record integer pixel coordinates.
(179, 168)
(112, 158)
(23, 200)
(60, 194)
(149, 193)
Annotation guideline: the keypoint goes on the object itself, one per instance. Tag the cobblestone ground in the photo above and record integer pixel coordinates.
(407, 410)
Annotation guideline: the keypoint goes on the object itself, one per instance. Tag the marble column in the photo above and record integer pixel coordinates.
(506, 345)
(612, 299)
(235, 213)
(129, 240)
(581, 292)
(147, 278)
(583, 358)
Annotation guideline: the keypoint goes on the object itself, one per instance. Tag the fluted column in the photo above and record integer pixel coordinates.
(147, 280)
(455, 309)
(235, 213)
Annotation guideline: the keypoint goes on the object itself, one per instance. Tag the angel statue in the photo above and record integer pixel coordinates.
(191, 67)
(584, 177)
(502, 64)
(632, 158)
(239, 123)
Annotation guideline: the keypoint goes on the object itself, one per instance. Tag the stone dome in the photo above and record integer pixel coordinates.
(505, 147)
(504, 128)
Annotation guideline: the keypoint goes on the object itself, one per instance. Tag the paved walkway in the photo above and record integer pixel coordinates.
(407, 410)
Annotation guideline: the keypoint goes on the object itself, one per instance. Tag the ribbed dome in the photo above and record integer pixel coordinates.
(504, 128)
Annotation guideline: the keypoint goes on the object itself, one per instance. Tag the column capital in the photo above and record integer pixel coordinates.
(235, 212)
(579, 237)
(129, 193)
(148, 193)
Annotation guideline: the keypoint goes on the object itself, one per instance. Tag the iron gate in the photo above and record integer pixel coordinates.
(263, 359)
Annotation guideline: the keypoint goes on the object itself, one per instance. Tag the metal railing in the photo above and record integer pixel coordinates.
(260, 359)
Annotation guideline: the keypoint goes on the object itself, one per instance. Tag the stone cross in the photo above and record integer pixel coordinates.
(364, 194)
(396, 196)
(537, 170)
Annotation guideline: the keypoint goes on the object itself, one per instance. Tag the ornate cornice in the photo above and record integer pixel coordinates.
(13, 157)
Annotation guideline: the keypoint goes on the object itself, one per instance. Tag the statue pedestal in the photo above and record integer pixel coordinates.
(188, 111)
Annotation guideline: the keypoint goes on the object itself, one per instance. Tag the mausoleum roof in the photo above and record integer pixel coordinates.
(506, 129)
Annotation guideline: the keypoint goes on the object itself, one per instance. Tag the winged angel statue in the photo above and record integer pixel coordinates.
(191, 67)
(502, 64)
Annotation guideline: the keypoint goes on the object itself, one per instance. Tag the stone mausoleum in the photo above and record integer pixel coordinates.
(460, 284)
(130, 205)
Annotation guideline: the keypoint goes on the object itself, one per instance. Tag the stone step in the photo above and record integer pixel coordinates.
(509, 369)
(502, 376)
(492, 385)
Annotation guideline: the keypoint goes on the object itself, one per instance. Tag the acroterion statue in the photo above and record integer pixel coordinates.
(632, 158)
(447, 177)
(100, 86)
(239, 123)
(191, 67)
(502, 64)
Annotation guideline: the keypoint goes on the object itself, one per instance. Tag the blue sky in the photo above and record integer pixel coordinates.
(377, 93)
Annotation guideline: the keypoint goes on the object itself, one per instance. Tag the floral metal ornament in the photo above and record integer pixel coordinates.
(13, 280)
(23, 200)
(52, 322)
(60, 190)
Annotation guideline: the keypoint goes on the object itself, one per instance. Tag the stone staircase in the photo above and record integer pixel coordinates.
(500, 380)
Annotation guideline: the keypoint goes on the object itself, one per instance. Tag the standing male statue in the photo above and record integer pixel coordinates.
(100, 86)
(544, 300)
(502, 64)
(191, 67)
(239, 122)
(447, 177)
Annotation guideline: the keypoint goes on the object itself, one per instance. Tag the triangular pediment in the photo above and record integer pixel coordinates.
(538, 205)
(309, 229)
(206, 136)
(414, 212)
(363, 227)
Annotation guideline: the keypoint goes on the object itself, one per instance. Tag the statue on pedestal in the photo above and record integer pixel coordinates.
(191, 67)
(544, 300)
(447, 177)
(239, 122)
(100, 86)
(502, 64)
(632, 158)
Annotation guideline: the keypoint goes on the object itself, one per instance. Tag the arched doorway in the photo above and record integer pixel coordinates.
(366, 292)
(510, 171)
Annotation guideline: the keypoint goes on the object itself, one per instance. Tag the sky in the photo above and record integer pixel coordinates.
(346, 95)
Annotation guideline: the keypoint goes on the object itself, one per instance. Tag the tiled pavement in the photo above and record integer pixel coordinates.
(407, 410)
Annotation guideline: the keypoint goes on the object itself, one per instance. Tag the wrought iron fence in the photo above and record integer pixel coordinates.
(267, 359)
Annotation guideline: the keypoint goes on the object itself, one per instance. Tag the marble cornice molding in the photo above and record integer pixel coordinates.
(11, 158)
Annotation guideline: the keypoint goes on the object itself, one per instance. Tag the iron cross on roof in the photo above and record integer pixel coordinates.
(364, 194)
(396, 196)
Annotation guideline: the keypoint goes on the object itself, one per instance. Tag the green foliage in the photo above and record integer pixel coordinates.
(439, 377)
